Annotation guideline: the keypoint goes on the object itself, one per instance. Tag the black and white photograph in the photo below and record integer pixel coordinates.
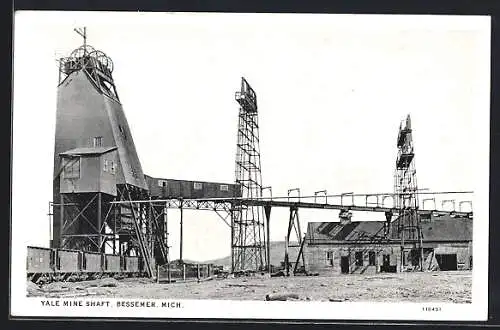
(250, 166)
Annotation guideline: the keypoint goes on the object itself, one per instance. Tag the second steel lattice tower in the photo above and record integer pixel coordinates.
(408, 229)
(247, 227)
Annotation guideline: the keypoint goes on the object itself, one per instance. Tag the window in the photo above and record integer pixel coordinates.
(162, 183)
(197, 186)
(224, 187)
(109, 166)
(329, 258)
(71, 168)
(97, 141)
(371, 258)
(359, 258)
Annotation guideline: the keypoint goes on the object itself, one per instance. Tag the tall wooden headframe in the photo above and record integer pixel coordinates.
(409, 229)
(247, 222)
(96, 164)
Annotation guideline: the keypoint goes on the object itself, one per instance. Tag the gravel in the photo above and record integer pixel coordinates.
(453, 286)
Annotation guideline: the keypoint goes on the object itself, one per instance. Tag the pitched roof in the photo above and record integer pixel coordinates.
(335, 231)
(445, 228)
(87, 151)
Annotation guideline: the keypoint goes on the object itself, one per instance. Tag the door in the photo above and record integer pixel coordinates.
(344, 265)
(447, 261)
(386, 263)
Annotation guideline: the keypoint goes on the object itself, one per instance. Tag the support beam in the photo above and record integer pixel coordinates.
(287, 269)
(50, 214)
(165, 235)
(300, 240)
(181, 234)
(99, 220)
(115, 207)
(233, 224)
(80, 213)
(61, 222)
(291, 223)
(267, 211)
(151, 218)
(301, 254)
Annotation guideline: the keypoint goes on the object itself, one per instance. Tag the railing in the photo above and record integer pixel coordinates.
(375, 202)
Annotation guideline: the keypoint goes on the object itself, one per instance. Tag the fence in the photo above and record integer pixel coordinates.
(182, 272)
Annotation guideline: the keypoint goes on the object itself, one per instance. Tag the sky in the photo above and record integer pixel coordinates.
(331, 89)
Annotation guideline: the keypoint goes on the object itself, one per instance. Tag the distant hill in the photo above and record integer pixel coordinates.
(187, 261)
(277, 255)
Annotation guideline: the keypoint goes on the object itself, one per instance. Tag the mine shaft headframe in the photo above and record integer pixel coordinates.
(86, 57)
(246, 97)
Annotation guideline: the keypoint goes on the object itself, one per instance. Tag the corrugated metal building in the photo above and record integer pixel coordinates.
(359, 247)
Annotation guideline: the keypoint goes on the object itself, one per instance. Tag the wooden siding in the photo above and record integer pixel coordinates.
(92, 178)
(186, 189)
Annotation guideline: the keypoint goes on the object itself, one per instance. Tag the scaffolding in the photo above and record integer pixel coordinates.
(247, 221)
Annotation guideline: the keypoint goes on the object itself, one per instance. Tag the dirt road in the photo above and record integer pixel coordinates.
(403, 287)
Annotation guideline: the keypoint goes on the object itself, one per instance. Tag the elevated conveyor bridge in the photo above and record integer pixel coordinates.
(372, 203)
(345, 203)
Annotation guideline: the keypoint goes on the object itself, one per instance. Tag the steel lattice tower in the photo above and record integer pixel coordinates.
(247, 222)
(409, 230)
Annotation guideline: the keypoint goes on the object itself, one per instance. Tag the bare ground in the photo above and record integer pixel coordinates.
(402, 287)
